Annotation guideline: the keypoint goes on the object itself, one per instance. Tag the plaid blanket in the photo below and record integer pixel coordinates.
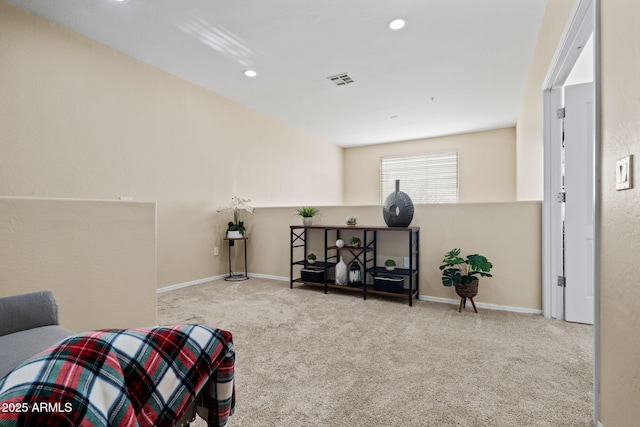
(132, 377)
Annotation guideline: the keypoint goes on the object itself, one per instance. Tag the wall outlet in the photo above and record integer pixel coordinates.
(406, 262)
(216, 252)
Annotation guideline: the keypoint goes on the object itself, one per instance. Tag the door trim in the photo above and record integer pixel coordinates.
(581, 26)
(585, 19)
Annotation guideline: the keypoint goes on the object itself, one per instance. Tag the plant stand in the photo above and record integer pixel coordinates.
(236, 277)
(463, 304)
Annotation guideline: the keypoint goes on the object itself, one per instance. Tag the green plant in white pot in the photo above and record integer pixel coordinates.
(463, 273)
(307, 213)
(390, 265)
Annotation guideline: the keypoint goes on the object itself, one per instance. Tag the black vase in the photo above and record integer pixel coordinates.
(398, 208)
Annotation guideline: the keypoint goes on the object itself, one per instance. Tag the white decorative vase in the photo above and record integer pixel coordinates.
(342, 275)
(307, 220)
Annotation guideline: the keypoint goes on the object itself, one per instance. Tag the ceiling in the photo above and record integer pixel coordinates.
(458, 65)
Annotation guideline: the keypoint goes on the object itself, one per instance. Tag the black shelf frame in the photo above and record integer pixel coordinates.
(366, 255)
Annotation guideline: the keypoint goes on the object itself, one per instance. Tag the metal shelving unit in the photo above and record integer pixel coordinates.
(366, 255)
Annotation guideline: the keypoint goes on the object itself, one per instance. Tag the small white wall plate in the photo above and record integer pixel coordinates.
(624, 173)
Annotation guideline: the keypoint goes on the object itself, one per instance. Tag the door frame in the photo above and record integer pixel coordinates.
(585, 20)
(575, 36)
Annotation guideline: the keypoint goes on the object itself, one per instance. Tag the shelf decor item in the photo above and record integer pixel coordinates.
(351, 221)
(355, 274)
(397, 210)
(356, 242)
(342, 275)
(390, 265)
(311, 258)
(461, 273)
(340, 243)
(307, 213)
(236, 228)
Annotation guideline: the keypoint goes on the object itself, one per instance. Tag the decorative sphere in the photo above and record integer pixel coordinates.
(340, 243)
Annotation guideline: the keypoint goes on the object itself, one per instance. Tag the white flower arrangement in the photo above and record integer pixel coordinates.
(237, 204)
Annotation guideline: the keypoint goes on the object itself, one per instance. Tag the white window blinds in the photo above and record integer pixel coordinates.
(427, 178)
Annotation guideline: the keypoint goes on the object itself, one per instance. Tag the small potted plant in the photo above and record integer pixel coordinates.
(311, 258)
(355, 242)
(462, 273)
(390, 265)
(307, 213)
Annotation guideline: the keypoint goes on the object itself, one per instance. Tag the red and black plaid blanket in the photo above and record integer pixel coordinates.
(132, 377)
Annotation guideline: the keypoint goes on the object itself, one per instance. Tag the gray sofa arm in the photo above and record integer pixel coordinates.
(22, 312)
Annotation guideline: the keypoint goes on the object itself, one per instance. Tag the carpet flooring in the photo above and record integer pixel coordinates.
(304, 358)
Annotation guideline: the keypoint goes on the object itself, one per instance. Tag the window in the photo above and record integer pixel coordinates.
(427, 178)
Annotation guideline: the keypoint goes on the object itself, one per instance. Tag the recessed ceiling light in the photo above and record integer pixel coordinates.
(397, 24)
(121, 1)
(250, 73)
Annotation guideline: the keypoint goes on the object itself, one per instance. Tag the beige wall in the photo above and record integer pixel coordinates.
(98, 258)
(486, 166)
(620, 225)
(81, 120)
(508, 234)
(529, 126)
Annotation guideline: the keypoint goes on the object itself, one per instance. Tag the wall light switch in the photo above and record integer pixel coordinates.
(624, 173)
(406, 262)
(216, 252)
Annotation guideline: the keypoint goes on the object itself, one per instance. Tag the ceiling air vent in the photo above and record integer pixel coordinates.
(341, 79)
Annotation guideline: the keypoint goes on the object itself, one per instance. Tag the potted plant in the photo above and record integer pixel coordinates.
(236, 228)
(307, 213)
(355, 242)
(311, 258)
(462, 273)
(390, 265)
(235, 231)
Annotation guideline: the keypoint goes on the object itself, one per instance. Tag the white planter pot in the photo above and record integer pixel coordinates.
(234, 234)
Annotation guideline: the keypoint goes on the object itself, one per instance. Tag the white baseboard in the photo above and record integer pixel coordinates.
(186, 284)
(421, 297)
(211, 279)
(482, 305)
(266, 276)
(600, 424)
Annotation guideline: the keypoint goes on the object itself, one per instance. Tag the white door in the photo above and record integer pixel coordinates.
(579, 211)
